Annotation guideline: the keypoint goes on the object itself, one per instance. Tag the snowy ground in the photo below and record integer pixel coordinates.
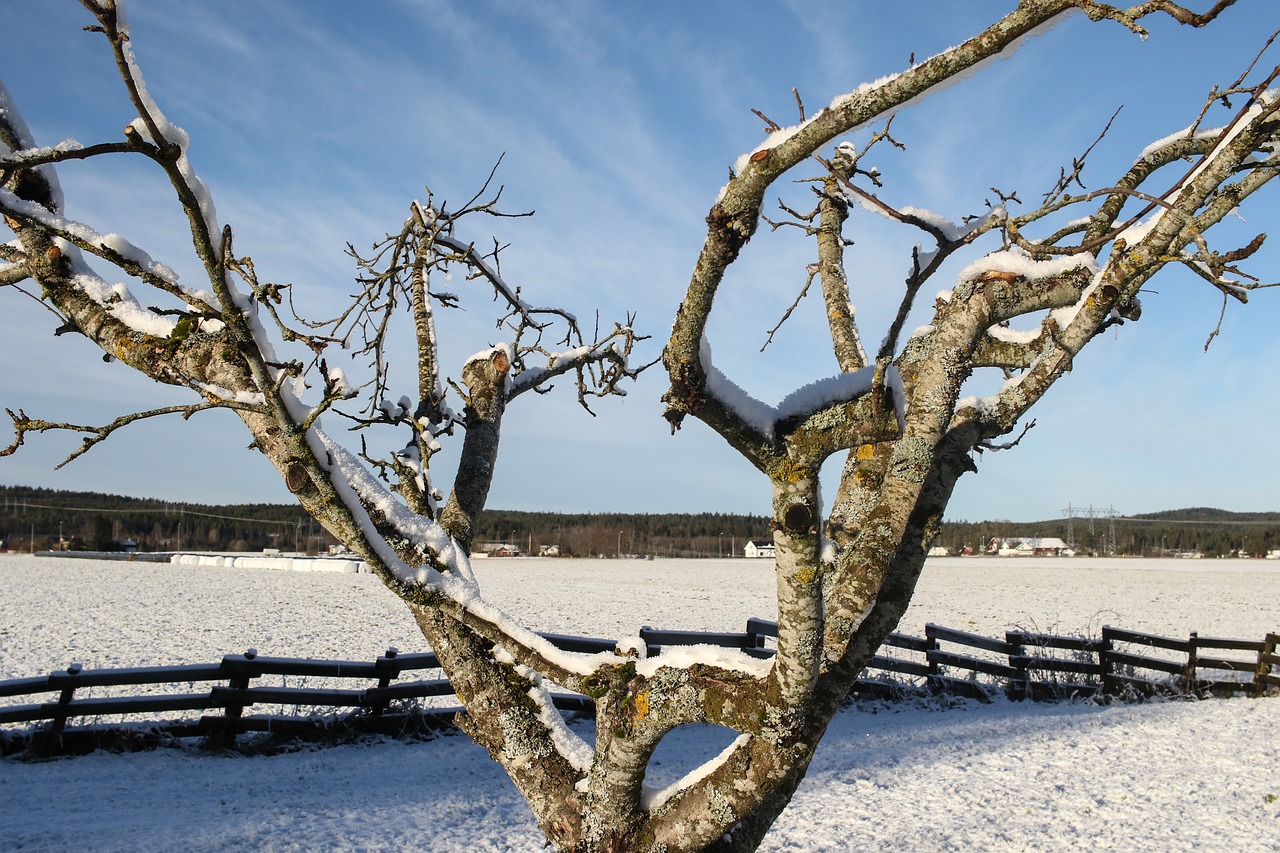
(1006, 776)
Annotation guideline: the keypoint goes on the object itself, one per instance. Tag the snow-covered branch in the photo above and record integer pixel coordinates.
(600, 367)
(113, 248)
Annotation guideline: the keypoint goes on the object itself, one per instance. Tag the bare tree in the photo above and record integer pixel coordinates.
(1053, 279)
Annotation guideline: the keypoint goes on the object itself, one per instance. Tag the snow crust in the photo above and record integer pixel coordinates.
(569, 743)
(360, 487)
(486, 354)
(1185, 133)
(950, 230)
(987, 404)
(509, 293)
(1017, 262)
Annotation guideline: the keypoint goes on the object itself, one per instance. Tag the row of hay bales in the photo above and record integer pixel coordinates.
(272, 561)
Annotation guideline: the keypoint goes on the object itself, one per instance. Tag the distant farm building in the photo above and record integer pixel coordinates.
(1030, 547)
(759, 548)
(497, 549)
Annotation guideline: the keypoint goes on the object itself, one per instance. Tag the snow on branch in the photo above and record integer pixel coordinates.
(153, 126)
(17, 138)
(110, 247)
(443, 570)
(1015, 262)
(600, 367)
(805, 402)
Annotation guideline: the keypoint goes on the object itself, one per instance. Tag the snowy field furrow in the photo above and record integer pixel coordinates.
(1006, 776)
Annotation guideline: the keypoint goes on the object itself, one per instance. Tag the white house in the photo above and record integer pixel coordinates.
(759, 548)
(1030, 547)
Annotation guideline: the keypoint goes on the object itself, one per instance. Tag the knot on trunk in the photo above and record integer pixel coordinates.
(797, 518)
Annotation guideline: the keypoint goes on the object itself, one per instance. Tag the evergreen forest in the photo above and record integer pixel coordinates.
(36, 519)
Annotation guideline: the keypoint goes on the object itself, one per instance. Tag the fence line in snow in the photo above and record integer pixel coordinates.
(1121, 664)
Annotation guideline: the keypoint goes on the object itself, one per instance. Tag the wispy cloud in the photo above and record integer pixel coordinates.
(315, 123)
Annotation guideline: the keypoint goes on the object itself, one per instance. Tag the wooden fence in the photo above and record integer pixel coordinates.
(397, 696)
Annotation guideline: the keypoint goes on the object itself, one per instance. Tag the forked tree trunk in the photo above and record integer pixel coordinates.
(897, 415)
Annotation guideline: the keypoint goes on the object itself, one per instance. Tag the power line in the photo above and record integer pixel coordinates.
(165, 510)
(1109, 515)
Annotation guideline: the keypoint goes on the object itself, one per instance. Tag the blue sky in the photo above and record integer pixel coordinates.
(315, 123)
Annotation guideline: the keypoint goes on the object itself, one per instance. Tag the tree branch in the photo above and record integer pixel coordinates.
(96, 434)
(841, 320)
(14, 274)
(733, 219)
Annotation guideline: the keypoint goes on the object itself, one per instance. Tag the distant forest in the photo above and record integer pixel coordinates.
(33, 519)
(1202, 530)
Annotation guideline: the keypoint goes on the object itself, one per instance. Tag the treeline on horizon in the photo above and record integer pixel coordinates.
(35, 519)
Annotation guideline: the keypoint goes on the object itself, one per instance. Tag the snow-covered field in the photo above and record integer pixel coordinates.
(1006, 776)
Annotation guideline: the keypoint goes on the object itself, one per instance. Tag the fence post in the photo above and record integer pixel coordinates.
(59, 720)
(1265, 654)
(1189, 671)
(1110, 684)
(48, 741)
(1020, 687)
(934, 678)
(386, 665)
(224, 734)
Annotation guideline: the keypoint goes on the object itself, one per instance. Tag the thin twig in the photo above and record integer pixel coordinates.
(813, 273)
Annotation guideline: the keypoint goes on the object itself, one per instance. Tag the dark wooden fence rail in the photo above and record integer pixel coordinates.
(1121, 664)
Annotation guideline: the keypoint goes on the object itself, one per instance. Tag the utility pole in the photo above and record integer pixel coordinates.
(1111, 530)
